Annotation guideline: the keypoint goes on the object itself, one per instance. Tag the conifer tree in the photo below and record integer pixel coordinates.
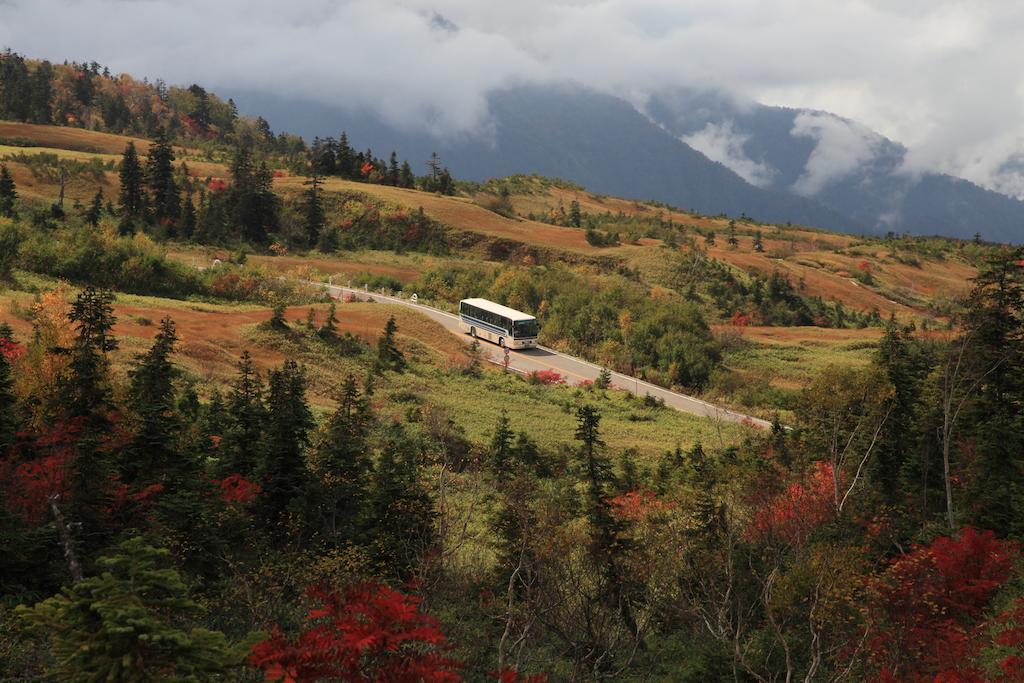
(132, 197)
(394, 173)
(732, 240)
(758, 245)
(604, 379)
(8, 193)
(246, 415)
(501, 450)
(401, 510)
(329, 330)
(575, 217)
(41, 94)
(314, 218)
(282, 468)
(389, 357)
(129, 623)
(709, 238)
(95, 212)
(343, 466)
(445, 183)
(8, 403)
(188, 221)
(152, 454)
(406, 178)
(166, 196)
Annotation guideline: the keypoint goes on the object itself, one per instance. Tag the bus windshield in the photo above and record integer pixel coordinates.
(524, 328)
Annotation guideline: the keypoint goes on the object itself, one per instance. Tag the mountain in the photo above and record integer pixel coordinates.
(837, 162)
(699, 150)
(597, 140)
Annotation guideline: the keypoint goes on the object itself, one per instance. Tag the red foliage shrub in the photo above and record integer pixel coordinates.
(1011, 636)
(217, 185)
(864, 266)
(926, 608)
(365, 169)
(29, 482)
(237, 490)
(796, 512)
(11, 350)
(740, 319)
(546, 377)
(637, 505)
(371, 633)
(278, 173)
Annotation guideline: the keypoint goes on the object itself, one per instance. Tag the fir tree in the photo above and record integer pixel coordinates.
(709, 238)
(604, 379)
(129, 623)
(152, 454)
(500, 452)
(314, 218)
(41, 94)
(95, 212)
(8, 403)
(163, 188)
(329, 330)
(8, 193)
(282, 468)
(406, 178)
(445, 183)
(132, 198)
(343, 466)
(575, 217)
(732, 240)
(394, 173)
(277, 321)
(758, 244)
(389, 357)
(246, 416)
(188, 222)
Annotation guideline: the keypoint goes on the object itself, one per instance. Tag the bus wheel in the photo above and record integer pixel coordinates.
(501, 342)
(472, 332)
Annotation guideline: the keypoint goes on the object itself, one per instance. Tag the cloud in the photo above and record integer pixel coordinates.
(842, 148)
(719, 142)
(941, 76)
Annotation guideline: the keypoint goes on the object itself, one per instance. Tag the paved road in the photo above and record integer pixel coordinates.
(573, 369)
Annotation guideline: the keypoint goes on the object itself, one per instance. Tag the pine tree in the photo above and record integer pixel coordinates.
(95, 212)
(8, 403)
(575, 217)
(8, 193)
(732, 240)
(129, 624)
(389, 357)
(188, 222)
(709, 238)
(329, 330)
(445, 184)
(282, 468)
(152, 454)
(314, 218)
(246, 416)
(132, 199)
(166, 196)
(604, 379)
(88, 390)
(406, 178)
(758, 245)
(393, 170)
(401, 523)
(277, 321)
(41, 94)
(500, 453)
(341, 461)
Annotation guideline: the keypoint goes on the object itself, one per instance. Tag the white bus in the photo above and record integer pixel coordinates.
(502, 325)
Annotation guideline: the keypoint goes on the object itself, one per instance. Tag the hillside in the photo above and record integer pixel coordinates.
(210, 470)
(607, 145)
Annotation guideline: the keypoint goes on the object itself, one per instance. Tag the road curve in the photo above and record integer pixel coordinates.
(575, 370)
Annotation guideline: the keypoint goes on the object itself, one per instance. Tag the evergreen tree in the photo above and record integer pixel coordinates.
(401, 512)
(132, 198)
(732, 240)
(277, 321)
(313, 214)
(758, 244)
(251, 202)
(501, 450)
(343, 466)
(41, 97)
(16, 90)
(152, 454)
(609, 543)
(246, 415)
(709, 238)
(282, 468)
(8, 193)
(163, 188)
(575, 216)
(95, 212)
(604, 379)
(188, 222)
(346, 159)
(445, 184)
(394, 174)
(8, 404)
(389, 357)
(329, 330)
(129, 623)
(406, 178)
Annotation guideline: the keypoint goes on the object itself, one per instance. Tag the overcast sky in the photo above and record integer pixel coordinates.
(942, 77)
